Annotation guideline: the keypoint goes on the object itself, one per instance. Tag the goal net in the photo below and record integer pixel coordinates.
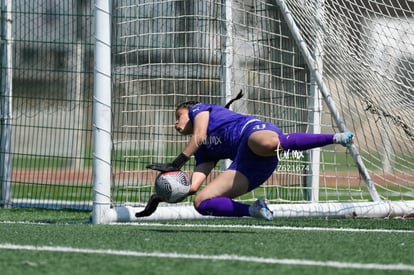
(309, 66)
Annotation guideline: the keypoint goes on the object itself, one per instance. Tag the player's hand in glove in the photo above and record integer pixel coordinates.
(151, 206)
(163, 167)
(168, 167)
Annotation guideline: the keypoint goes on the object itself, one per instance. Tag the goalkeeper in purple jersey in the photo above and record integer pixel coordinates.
(218, 133)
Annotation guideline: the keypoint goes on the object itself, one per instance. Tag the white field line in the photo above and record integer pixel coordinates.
(270, 227)
(243, 226)
(224, 257)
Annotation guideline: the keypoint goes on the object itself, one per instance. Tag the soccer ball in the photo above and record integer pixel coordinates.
(172, 186)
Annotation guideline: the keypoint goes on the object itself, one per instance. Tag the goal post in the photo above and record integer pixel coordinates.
(6, 104)
(102, 112)
(167, 52)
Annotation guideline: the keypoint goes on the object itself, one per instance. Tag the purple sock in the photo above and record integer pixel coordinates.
(223, 207)
(304, 141)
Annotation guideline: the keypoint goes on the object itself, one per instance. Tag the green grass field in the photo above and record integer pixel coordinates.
(62, 242)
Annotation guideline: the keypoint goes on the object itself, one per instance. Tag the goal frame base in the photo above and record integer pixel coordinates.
(381, 209)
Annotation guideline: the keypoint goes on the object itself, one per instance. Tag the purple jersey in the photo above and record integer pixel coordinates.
(227, 138)
(224, 132)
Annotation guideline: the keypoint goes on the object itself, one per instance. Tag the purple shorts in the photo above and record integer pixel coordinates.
(255, 168)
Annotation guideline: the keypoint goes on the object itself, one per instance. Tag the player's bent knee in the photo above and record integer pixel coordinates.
(197, 201)
(271, 145)
(202, 208)
(264, 143)
(199, 198)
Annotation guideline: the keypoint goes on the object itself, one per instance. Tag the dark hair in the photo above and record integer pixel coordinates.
(187, 104)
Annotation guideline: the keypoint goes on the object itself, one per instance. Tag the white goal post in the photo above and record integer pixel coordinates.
(359, 55)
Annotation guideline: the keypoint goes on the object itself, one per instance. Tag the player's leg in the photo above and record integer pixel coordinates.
(216, 198)
(305, 141)
(266, 142)
(247, 171)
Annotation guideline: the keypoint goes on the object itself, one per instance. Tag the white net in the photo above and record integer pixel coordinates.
(167, 52)
(368, 66)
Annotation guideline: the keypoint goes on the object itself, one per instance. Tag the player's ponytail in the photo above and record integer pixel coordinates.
(238, 96)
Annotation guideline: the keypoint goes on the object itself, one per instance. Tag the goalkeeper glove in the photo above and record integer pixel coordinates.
(168, 167)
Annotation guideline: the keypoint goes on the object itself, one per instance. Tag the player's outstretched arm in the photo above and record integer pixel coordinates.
(199, 134)
(151, 206)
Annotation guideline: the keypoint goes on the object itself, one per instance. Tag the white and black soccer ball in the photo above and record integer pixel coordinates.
(172, 186)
